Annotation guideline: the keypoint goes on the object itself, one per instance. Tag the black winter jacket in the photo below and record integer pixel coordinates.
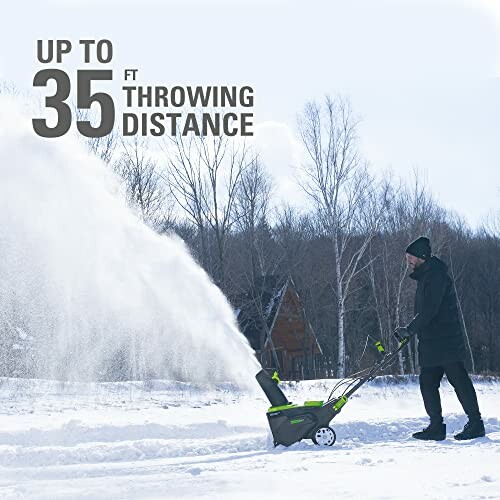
(437, 325)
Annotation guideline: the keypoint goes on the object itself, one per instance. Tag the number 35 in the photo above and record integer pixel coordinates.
(84, 101)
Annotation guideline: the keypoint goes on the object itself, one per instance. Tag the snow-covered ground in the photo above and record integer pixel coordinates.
(165, 439)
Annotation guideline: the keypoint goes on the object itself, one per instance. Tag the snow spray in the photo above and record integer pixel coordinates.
(87, 290)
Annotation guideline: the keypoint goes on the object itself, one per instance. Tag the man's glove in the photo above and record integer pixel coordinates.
(403, 333)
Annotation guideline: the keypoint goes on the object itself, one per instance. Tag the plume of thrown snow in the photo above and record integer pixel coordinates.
(92, 289)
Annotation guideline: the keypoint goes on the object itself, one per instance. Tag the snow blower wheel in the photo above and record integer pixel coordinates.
(324, 436)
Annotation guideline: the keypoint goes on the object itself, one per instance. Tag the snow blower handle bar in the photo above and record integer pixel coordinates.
(398, 337)
(386, 361)
(388, 357)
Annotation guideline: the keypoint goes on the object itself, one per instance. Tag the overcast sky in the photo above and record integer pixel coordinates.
(423, 75)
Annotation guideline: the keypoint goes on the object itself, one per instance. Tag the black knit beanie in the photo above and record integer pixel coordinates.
(420, 248)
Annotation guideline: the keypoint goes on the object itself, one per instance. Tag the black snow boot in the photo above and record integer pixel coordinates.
(436, 431)
(473, 429)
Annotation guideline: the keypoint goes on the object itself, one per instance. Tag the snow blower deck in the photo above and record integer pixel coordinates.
(290, 423)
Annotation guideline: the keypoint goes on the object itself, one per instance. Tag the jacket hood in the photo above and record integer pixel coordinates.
(434, 263)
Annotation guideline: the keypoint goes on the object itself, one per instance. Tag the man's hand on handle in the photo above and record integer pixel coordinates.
(403, 333)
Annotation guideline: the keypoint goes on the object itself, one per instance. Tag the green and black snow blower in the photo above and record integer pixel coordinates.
(290, 423)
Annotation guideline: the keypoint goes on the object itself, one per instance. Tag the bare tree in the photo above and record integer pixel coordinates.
(491, 225)
(103, 147)
(251, 212)
(187, 184)
(204, 174)
(251, 209)
(339, 184)
(225, 161)
(144, 184)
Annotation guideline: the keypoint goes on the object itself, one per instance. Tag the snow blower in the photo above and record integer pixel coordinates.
(290, 423)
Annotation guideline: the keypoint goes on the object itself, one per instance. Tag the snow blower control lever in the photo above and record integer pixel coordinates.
(290, 423)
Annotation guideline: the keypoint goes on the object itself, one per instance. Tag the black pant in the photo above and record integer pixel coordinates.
(430, 378)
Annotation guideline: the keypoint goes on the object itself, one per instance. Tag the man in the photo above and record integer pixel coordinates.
(441, 348)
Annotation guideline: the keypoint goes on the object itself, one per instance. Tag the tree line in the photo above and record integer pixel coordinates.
(345, 253)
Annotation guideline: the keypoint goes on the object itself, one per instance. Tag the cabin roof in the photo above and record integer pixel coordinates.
(260, 306)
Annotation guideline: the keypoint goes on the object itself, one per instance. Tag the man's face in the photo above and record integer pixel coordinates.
(413, 262)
